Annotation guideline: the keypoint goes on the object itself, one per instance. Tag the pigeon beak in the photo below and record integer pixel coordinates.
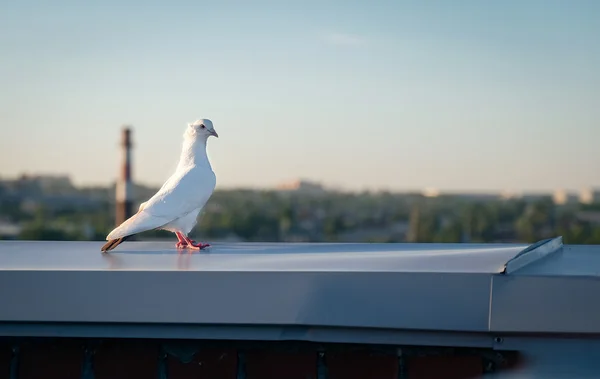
(214, 133)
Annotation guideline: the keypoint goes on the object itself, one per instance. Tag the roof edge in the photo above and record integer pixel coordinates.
(533, 253)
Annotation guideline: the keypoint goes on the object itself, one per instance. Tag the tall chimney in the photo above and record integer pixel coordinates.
(124, 195)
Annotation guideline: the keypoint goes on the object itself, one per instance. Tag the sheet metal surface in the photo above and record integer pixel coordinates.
(395, 286)
(402, 286)
(351, 299)
(570, 260)
(162, 256)
(545, 304)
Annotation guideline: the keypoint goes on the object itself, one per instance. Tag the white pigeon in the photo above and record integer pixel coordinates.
(175, 207)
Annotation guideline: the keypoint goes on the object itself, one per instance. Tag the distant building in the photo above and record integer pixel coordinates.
(54, 184)
(589, 196)
(302, 186)
(27, 186)
(470, 196)
(509, 194)
(431, 192)
(533, 197)
(592, 217)
(562, 197)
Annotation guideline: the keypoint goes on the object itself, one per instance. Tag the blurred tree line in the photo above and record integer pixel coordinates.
(251, 215)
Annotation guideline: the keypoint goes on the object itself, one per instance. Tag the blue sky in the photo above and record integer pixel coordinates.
(456, 95)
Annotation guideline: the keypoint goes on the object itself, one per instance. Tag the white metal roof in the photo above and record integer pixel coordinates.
(472, 288)
(228, 257)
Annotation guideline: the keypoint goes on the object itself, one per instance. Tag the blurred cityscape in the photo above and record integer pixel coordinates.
(37, 207)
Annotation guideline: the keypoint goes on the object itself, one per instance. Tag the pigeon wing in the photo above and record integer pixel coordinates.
(182, 193)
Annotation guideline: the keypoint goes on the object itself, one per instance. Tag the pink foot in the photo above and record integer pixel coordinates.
(197, 245)
(186, 242)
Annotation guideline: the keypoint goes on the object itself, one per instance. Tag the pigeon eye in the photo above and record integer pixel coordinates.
(202, 126)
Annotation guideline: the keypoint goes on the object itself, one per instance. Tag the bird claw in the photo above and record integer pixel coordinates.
(197, 245)
(191, 244)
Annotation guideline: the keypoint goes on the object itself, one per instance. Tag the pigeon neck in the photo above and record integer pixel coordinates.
(194, 153)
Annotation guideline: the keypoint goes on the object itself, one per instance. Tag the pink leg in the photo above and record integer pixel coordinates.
(195, 245)
(181, 241)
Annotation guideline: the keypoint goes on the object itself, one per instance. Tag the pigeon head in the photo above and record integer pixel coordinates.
(203, 128)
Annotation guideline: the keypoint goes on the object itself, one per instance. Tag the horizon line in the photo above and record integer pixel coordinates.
(328, 188)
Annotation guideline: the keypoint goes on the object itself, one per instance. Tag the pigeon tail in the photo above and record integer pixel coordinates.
(139, 222)
(113, 243)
